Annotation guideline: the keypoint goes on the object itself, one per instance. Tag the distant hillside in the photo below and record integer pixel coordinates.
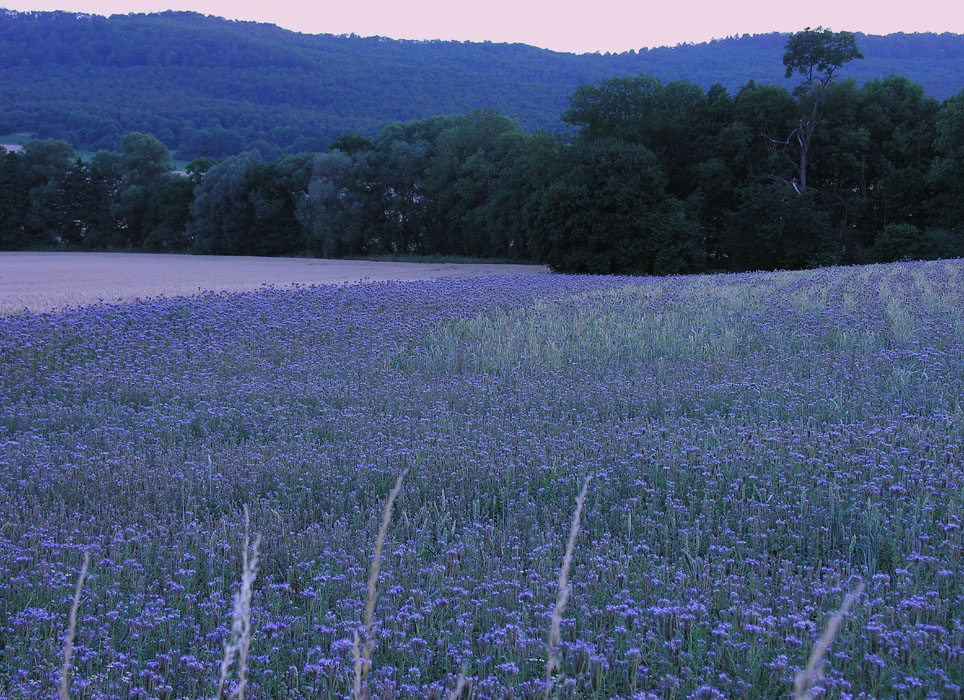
(206, 85)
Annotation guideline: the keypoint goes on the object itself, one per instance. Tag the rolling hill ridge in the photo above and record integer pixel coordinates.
(206, 85)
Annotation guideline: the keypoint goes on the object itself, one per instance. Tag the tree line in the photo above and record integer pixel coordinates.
(207, 86)
(657, 178)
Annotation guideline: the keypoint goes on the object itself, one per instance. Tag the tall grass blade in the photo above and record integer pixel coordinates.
(239, 643)
(363, 663)
(62, 693)
(562, 597)
(803, 684)
(459, 685)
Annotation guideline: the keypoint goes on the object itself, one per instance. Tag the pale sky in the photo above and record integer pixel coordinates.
(562, 25)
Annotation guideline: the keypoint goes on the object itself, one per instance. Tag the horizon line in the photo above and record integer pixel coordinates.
(86, 15)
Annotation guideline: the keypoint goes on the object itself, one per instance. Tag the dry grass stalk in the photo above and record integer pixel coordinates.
(357, 665)
(803, 683)
(563, 595)
(459, 686)
(240, 641)
(363, 662)
(62, 693)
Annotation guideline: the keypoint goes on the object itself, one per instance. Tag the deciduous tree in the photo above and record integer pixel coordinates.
(816, 54)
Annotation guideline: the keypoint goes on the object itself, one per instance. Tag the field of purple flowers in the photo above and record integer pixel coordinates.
(759, 445)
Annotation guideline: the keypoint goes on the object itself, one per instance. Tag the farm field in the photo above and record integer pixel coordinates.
(13, 142)
(759, 445)
(46, 281)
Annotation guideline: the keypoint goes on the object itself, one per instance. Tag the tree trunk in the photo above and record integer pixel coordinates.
(805, 135)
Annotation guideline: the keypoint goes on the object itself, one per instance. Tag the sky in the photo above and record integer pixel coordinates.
(562, 25)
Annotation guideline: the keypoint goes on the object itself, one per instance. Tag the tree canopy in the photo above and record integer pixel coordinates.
(817, 54)
(206, 86)
(654, 177)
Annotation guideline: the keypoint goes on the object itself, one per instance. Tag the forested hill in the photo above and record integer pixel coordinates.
(209, 86)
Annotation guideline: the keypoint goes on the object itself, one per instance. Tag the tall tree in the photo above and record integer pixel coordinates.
(394, 174)
(144, 157)
(872, 153)
(334, 216)
(105, 172)
(14, 201)
(222, 217)
(478, 186)
(672, 120)
(946, 176)
(48, 164)
(169, 199)
(145, 160)
(602, 212)
(244, 206)
(816, 54)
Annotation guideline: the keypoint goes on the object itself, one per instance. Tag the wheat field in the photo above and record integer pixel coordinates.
(39, 281)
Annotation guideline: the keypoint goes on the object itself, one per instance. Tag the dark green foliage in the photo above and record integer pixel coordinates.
(351, 143)
(14, 202)
(671, 120)
(395, 171)
(898, 242)
(753, 142)
(774, 228)
(597, 216)
(908, 242)
(872, 153)
(170, 198)
(222, 218)
(678, 245)
(143, 208)
(659, 178)
(208, 86)
(817, 54)
(478, 185)
(941, 244)
(440, 185)
(197, 168)
(105, 183)
(47, 167)
(334, 215)
(619, 108)
(144, 158)
(246, 205)
(946, 175)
